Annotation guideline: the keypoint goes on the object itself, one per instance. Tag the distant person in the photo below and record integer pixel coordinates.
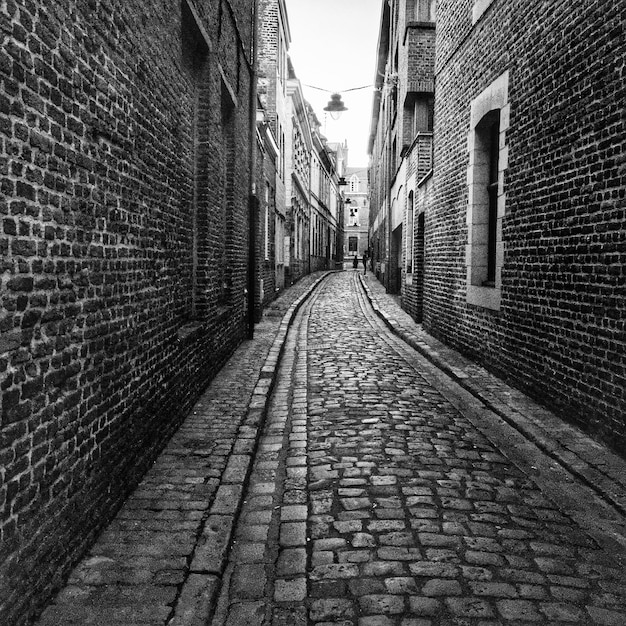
(355, 262)
(365, 262)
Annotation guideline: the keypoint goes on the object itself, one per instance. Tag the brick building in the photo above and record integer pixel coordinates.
(125, 137)
(525, 240)
(326, 201)
(400, 142)
(298, 154)
(274, 38)
(270, 220)
(515, 243)
(307, 198)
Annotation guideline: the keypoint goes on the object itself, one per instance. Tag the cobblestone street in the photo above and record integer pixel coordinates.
(381, 492)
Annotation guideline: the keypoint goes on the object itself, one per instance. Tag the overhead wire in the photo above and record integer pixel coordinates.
(340, 90)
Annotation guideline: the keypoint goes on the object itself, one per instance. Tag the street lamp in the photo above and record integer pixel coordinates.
(335, 106)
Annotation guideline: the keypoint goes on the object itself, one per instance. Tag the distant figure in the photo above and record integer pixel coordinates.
(365, 262)
(355, 262)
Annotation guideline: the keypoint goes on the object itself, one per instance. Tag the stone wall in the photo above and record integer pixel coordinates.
(124, 217)
(559, 330)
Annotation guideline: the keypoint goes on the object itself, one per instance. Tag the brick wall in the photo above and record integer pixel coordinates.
(559, 333)
(265, 228)
(119, 300)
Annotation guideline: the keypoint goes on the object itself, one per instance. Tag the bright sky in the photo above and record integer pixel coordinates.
(333, 47)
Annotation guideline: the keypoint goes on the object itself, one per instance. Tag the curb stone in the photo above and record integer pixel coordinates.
(609, 488)
(196, 601)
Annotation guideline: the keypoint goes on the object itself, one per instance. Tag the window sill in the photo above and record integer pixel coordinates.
(485, 297)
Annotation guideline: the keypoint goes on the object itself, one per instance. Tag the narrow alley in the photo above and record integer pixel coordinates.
(380, 491)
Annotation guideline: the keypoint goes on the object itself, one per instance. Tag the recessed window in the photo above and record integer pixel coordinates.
(409, 233)
(354, 183)
(488, 160)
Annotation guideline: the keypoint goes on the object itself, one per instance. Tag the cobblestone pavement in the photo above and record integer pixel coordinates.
(384, 493)
(368, 489)
(160, 560)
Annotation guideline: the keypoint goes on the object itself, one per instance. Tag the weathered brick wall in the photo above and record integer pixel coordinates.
(102, 349)
(560, 331)
(266, 193)
(268, 29)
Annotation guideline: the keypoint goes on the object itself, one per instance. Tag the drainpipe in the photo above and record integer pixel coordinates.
(252, 199)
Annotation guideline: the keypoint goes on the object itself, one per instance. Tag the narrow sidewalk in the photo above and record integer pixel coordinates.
(161, 559)
(582, 456)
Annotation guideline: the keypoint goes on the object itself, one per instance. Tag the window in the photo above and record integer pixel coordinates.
(279, 239)
(488, 159)
(354, 216)
(354, 184)
(423, 114)
(353, 244)
(409, 234)
(266, 225)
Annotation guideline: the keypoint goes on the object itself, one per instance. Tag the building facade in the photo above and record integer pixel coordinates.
(325, 202)
(525, 240)
(514, 242)
(269, 220)
(272, 75)
(400, 142)
(125, 145)
(299, 150)
(356, 215)
(307, 199)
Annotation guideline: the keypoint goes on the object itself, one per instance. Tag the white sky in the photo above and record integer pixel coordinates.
(333, 46)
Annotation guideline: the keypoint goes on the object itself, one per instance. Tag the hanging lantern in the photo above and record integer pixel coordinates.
(335, 106)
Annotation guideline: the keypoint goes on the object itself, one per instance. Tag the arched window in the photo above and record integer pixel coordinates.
(354, 184)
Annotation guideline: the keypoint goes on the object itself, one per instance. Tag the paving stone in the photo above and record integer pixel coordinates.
(291, 561)
(400, 585)
(248, 582)
(384, 604)
(211, 549)
(522, 610)
(289, 616)
(248, 552)
(293, 534)
(441, 587)
(246, 614)
(434, 570)
(605, 617)
(469, 607)
(293, 513)
(561, 611)
(500, 590)
(334, 570)
(293, 590)
(195, 602)
(331, 609)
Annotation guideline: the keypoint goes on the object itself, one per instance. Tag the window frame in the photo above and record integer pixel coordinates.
(485, 246)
